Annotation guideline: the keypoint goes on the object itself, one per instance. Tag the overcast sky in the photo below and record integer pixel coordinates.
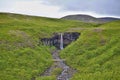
(60, 8)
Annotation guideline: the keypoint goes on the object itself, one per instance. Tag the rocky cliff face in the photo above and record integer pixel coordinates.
(68, 37)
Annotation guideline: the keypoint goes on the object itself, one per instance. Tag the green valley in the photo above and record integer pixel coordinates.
(94, 56)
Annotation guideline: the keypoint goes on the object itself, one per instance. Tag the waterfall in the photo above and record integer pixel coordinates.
(61, 41)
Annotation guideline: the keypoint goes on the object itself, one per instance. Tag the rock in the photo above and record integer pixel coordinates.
(68, 37)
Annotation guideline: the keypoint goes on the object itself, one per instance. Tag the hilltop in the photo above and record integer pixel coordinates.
(87, 18)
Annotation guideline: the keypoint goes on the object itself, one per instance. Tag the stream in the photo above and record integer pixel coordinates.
(67, 72)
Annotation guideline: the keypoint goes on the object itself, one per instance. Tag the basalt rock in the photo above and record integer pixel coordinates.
(68, 37)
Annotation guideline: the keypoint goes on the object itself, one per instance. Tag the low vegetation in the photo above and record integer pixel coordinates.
(23, 64)
(95, 54)
(22, 57)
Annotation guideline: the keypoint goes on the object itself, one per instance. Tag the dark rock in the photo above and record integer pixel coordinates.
(68, 37)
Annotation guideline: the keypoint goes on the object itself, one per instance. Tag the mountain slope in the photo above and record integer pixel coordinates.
(22, 57)
(96, 54)
(87, 18)
(107, 19)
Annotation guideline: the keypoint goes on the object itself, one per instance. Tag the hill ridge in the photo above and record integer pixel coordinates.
(88, 18)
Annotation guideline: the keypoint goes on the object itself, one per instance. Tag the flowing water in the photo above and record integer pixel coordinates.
(67, 72)
(61, 41)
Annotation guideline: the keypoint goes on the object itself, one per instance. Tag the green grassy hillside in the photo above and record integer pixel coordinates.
(96, 54)
(20, 56)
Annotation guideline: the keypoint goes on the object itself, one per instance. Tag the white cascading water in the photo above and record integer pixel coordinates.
(61, 41)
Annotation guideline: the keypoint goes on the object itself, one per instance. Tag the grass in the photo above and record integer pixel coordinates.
(95, 54)
(21, 58)
(23, 64)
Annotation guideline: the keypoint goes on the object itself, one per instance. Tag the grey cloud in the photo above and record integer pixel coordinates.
(106, 7)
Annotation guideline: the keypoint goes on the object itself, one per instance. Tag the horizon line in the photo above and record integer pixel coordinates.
(107, 16)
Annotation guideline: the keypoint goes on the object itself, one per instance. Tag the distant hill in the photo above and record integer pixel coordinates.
(107, 19)
(87, 18)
